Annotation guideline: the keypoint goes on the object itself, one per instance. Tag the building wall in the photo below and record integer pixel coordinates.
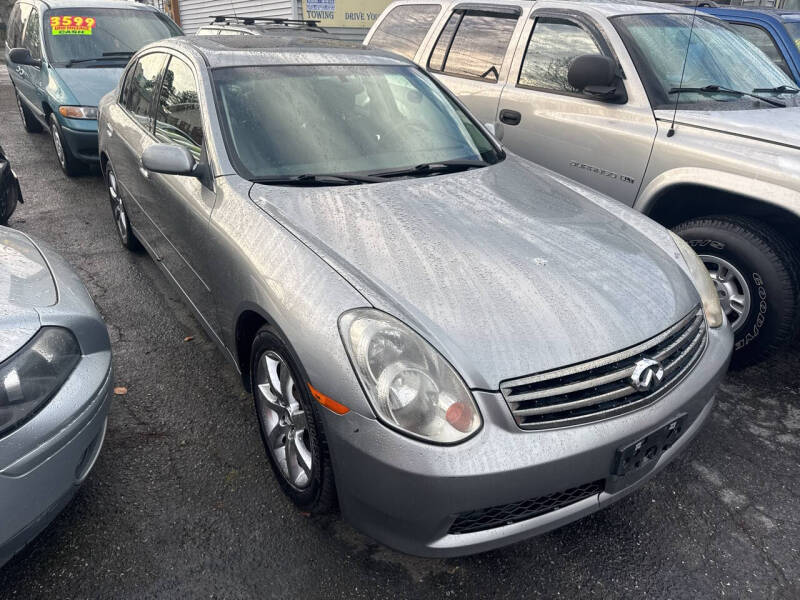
(195, 13)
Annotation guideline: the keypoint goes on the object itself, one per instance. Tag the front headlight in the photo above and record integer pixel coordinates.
(702, 281)
(78, 112)
(410, 386)
(30, 378)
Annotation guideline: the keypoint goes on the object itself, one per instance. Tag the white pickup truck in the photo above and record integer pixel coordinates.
(598, 92)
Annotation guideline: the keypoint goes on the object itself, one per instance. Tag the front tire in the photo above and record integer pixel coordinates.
(291, 427)
(119, 211)
(757, 276)
(66, 160)
(29, 122)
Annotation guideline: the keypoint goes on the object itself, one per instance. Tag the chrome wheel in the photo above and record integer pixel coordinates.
(732, 289)
(62, 158)
(283, 419)
(117, 207)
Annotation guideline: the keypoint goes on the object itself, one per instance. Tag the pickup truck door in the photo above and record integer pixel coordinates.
(472, 53)
(603, 145)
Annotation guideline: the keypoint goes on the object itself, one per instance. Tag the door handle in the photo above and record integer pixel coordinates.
(145, 173)
(510, 117)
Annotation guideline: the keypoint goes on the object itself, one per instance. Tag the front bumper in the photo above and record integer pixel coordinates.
(82, 143)
(407, 494)
(43, 462)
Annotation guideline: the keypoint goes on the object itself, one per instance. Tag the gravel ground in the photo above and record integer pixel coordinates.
(182, 503)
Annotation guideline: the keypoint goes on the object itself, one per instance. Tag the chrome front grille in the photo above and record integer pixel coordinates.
(602, 387)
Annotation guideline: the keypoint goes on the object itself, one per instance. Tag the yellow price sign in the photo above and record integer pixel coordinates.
(67, 25)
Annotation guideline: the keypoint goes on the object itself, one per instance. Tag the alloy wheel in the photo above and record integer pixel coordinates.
(117, 207)
(283, 419)
(732, 289)
(59, 147)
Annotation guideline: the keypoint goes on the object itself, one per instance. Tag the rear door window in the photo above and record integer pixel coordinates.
(178, 118)
(761, 38)
(404, 28)
(553, 45)
(473, 44)
(140, 87)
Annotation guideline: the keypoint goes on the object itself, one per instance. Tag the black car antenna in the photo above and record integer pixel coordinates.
(671, 131)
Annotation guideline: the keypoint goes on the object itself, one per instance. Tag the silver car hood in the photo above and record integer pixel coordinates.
(25, 284)
(507, 270)
(776, 125)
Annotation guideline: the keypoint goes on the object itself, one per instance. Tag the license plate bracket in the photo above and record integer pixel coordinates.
(635, 459)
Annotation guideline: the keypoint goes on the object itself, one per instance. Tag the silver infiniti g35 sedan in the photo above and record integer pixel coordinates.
(459, 347)
(55, 382)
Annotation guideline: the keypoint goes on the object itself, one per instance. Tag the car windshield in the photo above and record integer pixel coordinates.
(717, 57)
(79, 35)
(330, 119)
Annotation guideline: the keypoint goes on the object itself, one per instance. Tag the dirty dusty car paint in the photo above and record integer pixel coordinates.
(465, 346)
(55, 378)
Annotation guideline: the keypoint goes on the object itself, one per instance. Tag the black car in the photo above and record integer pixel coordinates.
(10, 193)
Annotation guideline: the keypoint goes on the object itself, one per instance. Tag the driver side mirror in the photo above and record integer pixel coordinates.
(22, 56)
(169, 160)
(596, 75)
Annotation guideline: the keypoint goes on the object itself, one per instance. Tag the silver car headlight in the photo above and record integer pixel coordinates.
(32, 376)
(702, 281)
(409, 384)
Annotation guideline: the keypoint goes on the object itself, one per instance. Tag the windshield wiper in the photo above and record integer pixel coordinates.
(318, 179)
(443, 166)
(781, 89)
(105, 56)
(716, 89)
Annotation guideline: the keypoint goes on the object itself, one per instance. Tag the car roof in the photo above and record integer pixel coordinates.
(607, 8)
(780, 14)
(280, 48)
(97, 4)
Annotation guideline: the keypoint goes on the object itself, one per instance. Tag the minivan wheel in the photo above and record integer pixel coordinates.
(119, 212)
(757, 276)
(29, 122)
(290, 425)
(69, 164)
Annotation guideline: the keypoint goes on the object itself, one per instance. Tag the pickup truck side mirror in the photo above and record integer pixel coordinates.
(22, 56)
(169, 160)
(596, 75)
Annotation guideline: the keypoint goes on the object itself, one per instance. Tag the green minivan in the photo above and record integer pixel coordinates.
(64, 55)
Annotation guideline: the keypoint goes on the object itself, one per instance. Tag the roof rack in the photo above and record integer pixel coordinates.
(234, 19)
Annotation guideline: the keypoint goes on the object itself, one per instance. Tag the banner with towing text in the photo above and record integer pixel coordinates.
(344, 13)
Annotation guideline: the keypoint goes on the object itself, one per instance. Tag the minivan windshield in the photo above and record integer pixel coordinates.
(376, 121)
(97, 37)
(721, 66)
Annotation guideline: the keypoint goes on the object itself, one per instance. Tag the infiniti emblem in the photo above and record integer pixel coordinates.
(647, 375)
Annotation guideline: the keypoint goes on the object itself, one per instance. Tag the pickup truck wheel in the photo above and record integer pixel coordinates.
(29, 122)
(757, 276)
(291, 427)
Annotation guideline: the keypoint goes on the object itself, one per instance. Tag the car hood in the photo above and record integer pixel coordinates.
(26, 283)
(776, 125)
(90, 84)
(508, 270)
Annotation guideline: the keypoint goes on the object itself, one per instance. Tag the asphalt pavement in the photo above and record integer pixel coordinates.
(182, 503)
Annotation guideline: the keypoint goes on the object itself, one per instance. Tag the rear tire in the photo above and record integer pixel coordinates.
(291, 425)
(66, 160)
(757, 276)
(30, 123)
